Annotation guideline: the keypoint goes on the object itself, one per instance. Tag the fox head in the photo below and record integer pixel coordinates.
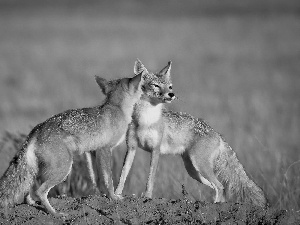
(121, 89)
(157, 87)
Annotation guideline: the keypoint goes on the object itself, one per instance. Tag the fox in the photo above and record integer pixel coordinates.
(48, 150)
(207, 157)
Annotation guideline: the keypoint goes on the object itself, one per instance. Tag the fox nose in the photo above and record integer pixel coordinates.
(171, 95)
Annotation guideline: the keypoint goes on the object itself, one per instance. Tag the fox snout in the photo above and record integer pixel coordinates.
(169, 97)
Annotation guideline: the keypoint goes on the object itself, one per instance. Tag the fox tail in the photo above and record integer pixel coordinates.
(19, 177)
(236, 182)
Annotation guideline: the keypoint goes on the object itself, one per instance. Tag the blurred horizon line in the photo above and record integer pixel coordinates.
(158, 8)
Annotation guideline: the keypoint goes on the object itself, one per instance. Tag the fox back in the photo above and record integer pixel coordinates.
(88, 129)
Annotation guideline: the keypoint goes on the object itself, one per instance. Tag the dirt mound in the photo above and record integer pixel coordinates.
(96, 209)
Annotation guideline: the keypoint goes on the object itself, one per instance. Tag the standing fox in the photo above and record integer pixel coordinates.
(49, 147)
(207, 157)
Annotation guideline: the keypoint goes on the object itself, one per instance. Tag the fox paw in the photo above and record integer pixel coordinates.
(30, 201)
(117, 197)
(146, 195)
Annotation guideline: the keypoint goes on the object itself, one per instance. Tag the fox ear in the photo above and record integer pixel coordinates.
(167, 70)
(136, 81)
(103, 84)
(139, 67)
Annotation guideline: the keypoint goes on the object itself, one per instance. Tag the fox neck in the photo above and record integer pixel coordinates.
(146, 113)
(126, 106)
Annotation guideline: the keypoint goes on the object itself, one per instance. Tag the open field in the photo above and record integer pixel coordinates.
(240, 72)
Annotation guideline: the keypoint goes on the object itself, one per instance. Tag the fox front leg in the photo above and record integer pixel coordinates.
(104, 157)
(91, 172)
(153, 167)
(131, 142)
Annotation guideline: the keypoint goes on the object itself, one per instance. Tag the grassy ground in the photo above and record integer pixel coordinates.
(238, 71)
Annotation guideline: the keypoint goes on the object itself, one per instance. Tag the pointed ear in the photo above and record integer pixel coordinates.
(167, 70)
(139, 67)
(103, 84)
(136, 81)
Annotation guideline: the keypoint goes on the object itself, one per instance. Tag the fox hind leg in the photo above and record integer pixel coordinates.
(42, 192)
(55, 175)
(203, 173)
(207, 175)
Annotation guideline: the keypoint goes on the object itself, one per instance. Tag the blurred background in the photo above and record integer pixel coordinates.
(236, 63)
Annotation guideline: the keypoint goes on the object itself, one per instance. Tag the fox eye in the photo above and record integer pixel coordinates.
(170, 87)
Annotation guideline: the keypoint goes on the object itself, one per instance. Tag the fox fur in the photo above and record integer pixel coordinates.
(236, 183)
(49, 147)
(206, 155)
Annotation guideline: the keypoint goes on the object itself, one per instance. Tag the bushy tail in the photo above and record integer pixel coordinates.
(17, 179)
(237, 184)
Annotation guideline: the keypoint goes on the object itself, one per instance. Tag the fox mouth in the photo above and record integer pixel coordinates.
(169, 100)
